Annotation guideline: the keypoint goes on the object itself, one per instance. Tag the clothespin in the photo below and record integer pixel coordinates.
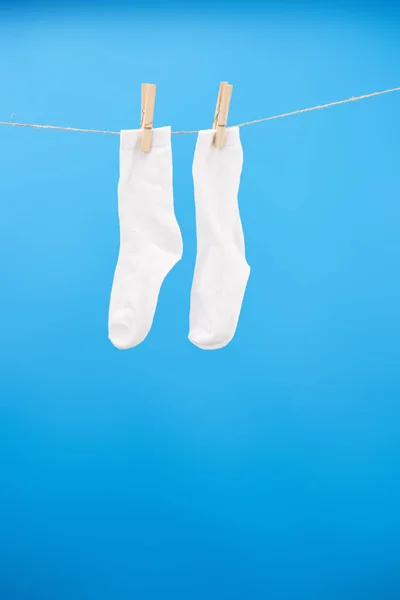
(221, 113)
(146, 121)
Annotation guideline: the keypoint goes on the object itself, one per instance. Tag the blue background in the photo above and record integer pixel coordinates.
(268, 469)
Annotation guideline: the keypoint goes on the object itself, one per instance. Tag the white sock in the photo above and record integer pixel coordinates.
(150, 239)
(221, 271)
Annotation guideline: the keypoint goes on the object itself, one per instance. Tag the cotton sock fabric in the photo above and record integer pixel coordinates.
(150, 238)
(221, 271)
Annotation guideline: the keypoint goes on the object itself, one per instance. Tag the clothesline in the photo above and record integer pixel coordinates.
(281, 116)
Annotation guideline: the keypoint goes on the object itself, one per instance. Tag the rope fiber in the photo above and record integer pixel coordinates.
(289, 114)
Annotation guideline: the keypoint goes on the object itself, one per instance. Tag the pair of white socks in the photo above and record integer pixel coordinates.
(151, 241)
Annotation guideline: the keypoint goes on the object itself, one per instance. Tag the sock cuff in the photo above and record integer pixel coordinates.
(130, 138)
(206, 137)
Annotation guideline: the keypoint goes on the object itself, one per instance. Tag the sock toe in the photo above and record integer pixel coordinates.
(121, 331)
(206, 340)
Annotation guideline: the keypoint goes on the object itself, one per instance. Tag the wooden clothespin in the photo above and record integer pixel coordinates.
(146, 121)
(221, 113)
